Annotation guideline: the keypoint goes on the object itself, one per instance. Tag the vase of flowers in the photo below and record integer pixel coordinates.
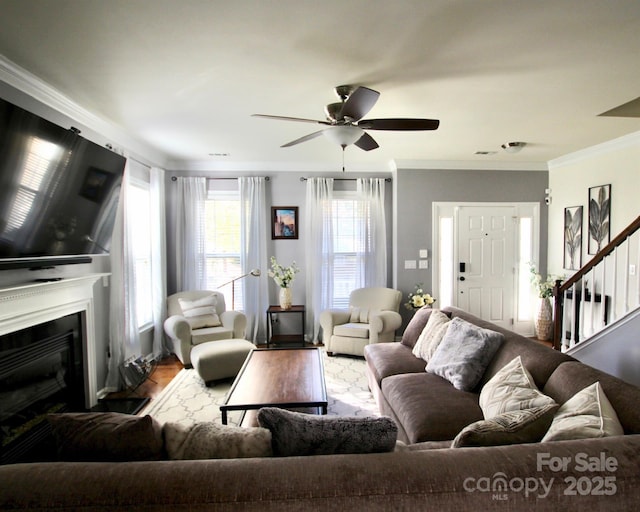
(283, 276)
(543, 322)
(418, 299)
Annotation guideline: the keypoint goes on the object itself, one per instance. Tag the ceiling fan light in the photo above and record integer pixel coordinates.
(513, 147)
(343, 135)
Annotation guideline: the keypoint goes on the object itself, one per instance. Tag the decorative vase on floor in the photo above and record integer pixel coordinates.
(544, 320)
(285, 298)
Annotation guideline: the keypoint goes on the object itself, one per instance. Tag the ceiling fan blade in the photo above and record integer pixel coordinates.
(401, 124)
(359, 103)
(366, 142)
(285, 118)
(303, 139)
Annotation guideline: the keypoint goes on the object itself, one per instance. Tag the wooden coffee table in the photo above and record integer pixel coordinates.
(289, 378)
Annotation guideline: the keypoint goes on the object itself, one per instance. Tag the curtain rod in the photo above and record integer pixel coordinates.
(387, 180)
(175, 178)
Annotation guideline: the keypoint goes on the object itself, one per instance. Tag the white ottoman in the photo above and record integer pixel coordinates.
(215, 360)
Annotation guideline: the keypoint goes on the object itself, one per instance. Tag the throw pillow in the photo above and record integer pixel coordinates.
(296, 433)
(359, 315)
(415, 326)
(106, 437)
(431, 335)
(201, 312)
(512, 427)
(511, 389)
(586, 415)
(464, 354)
(208, 440)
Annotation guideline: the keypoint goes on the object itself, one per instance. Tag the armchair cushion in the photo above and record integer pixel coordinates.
(352, 330)
(201, 312)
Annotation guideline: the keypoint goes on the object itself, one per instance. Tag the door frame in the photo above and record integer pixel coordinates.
(522, 320)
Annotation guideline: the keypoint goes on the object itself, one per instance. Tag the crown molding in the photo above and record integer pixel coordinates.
(624, 142)
(221, 165)
(31, 85)
(486, 165)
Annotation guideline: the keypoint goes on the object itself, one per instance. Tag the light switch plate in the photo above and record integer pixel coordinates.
(409, 264)
(423, 264)
(424, 253)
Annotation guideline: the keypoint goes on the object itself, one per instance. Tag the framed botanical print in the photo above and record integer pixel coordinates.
(599, 218)
(284, 222)
(573, 237)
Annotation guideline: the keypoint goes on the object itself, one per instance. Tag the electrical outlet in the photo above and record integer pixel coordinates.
(423, 264)
(632, 270)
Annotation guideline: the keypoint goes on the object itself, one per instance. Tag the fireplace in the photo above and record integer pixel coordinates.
(40, 372)
(47, 359)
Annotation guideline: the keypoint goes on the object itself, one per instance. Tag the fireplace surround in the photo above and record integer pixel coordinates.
(48, 354)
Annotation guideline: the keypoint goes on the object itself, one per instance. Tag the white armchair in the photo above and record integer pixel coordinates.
(372, 317)
(196, 317)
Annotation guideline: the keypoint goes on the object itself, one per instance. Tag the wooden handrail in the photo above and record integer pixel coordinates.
(560, 287)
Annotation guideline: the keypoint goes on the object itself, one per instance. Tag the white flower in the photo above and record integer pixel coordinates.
(283, 276)
(419, 299)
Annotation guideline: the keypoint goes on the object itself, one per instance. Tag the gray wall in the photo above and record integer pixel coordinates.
(417, 189)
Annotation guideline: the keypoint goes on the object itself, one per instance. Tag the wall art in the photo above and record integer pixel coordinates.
(573, 237)
(284, 222)
(599, 218)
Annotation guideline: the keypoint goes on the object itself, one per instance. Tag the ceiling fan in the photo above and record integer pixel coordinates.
(344, 124)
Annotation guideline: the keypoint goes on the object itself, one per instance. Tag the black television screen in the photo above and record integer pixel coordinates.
(58, 191)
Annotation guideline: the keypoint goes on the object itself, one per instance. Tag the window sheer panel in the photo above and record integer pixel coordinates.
(140, 225)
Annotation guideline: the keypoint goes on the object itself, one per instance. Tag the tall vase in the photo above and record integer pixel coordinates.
(544, 320)
(285, 298)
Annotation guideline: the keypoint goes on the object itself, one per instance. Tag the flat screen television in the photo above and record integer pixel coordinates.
(58, 192)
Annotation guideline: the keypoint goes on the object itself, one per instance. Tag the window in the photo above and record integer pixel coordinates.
(348, 217)
(139, 207)
(222, 244)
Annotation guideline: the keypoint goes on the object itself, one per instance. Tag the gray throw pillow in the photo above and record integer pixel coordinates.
(296, 433)
(464, 354)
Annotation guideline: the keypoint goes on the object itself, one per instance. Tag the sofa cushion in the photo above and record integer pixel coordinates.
(586, 415)
(511, 427)
(431, 335)
(464, 353)
(200, 312)
(428, 407)
(352, 330)
(106, 437)
(208, 440)
(571, 377)
(295, 433)
(540, 360)
(511, 389)
(386, 359)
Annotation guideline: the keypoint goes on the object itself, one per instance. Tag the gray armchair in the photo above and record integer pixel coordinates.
(372, 317)
(196, 317)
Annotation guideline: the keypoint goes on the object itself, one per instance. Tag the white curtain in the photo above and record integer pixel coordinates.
(191, 261)
(319, 251)
(158, 259)
(124, 339)
(372, 231)
(254, 254)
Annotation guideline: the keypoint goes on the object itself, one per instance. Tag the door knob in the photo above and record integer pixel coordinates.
(462, 278)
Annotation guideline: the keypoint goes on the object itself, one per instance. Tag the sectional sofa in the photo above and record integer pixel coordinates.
(423, 474)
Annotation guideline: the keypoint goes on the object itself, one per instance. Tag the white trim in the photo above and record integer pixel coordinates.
(632, 139)
(33, 86)
(486, 165)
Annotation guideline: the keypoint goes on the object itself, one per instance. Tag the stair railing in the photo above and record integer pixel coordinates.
(594, 308)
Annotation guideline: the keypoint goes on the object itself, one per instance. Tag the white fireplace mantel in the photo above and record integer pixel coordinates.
(27, 304)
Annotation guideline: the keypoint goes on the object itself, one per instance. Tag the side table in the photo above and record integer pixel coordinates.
(285, 338)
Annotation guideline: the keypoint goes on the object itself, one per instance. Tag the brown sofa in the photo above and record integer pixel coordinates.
(422, 477)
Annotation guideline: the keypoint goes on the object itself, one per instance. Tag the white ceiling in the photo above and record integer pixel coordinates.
(184, 76)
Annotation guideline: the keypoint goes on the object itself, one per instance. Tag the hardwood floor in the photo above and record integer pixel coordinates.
(163, 372)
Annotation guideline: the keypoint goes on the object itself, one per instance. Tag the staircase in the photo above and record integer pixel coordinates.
(602, 297)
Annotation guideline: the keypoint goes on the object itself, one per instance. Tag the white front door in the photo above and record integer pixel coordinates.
(485, 262)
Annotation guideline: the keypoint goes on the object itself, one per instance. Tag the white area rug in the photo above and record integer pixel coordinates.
(187, 400)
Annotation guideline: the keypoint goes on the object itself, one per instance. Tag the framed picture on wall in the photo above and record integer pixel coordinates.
(599, 217)
(573, 237)
(284, 222)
